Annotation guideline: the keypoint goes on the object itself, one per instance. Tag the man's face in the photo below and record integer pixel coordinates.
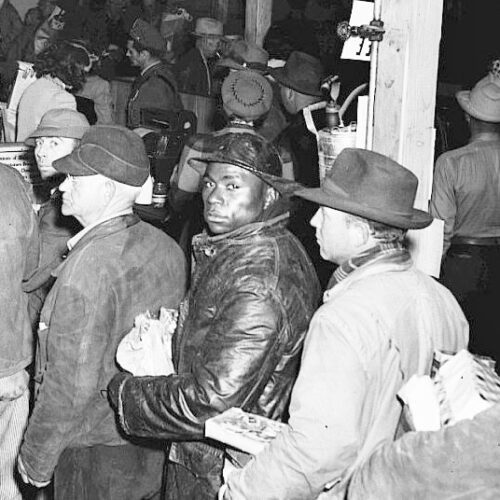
(50, 149)
(232, 197)
(335, 235)
(136, 58)
(209, 45)
(84, 197)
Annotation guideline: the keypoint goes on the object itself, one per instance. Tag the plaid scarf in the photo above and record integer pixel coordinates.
(393, 252)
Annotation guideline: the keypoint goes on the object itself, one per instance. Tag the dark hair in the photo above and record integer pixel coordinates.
(153, 52)
(64, 61)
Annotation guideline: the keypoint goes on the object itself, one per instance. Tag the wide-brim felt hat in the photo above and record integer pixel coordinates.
(60, 122)
(208, 27)
(109, 150)
(251, 152)
(483, 101)
(246, 94)
(370, 185)
(302, 73)
(245, 55)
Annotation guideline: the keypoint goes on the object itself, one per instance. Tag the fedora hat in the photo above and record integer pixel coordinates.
(60, 122)
(246, 55)
(246, 94)
(372, 186)
(251, 152)
(302, 72)
(208, 26)
(483, 101)
(109, 150)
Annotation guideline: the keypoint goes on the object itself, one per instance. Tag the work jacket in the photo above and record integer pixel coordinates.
(253, 292)
(376, 328)
(119, 269)
(19, 249)
(155, 88)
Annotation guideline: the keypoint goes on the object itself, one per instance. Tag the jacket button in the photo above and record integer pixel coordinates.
(209, 251)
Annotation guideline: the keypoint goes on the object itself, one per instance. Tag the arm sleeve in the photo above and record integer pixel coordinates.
(76, 346)
(443, 204)
(324, 433)
(460, 461)
(228, 369)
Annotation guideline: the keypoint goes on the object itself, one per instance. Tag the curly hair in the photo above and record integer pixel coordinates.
(64, 61)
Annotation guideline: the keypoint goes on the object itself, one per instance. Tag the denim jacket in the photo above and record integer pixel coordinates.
(119, 269)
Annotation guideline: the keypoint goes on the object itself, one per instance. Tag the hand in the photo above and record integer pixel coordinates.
(24, 475)
(222, 491)
(14, 386)
(114, 387)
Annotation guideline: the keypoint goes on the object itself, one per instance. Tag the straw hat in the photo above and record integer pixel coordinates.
(483, 101)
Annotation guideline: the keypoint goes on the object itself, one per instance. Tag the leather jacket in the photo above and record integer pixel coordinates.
(239, 341)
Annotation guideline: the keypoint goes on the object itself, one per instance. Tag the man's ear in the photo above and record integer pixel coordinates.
(109, 189)
(361, 232)
(270, 196)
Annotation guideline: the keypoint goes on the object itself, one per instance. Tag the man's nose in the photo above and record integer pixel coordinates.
(64, 186)
(215, 196)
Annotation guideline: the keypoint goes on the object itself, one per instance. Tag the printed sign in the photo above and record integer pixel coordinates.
(356, 48)
(21, 157)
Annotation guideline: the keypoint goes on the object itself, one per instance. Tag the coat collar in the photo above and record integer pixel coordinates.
(203, 241)
(106, 228)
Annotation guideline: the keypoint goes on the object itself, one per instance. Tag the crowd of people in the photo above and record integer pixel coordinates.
(297, 298)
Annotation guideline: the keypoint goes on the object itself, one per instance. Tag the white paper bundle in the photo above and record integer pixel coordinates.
(147, 348)
(461, 386)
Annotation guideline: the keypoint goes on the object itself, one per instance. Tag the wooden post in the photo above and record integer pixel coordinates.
(257, 20)
(220, 8)
(405, 90)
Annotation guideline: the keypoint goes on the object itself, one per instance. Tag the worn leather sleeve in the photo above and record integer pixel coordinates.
(229, 368)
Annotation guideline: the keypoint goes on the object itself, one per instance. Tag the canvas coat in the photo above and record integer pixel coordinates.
(376, 329)
(241, 331)
(119, 269)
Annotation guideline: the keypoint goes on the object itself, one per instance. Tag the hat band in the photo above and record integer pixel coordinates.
(334, 190)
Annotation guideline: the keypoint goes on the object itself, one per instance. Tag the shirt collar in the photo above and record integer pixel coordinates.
(78, 236)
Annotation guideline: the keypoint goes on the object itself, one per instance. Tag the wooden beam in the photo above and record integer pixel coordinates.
(221, 8)
(257, 20)
(405, 90)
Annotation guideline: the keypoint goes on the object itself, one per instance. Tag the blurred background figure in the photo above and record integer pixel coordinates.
(155, 87)
(194, 69)
(60, 71)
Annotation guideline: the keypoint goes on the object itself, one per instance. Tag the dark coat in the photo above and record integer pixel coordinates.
(156, 88)
(55, 231)
(18, 259)
(119, 269)
(238, 344)
(191, 74)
